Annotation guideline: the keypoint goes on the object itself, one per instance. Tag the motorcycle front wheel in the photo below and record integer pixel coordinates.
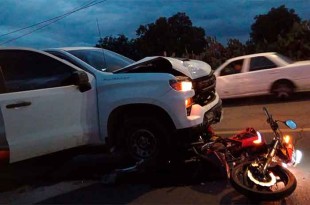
(284, 182)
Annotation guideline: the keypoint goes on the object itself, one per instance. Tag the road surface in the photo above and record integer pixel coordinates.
(83, 178)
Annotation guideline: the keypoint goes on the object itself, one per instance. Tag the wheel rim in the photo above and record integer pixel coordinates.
(282, 180)
(143, 144)
(283, 91)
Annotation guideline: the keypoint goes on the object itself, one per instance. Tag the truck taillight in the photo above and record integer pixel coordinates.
(181, 85)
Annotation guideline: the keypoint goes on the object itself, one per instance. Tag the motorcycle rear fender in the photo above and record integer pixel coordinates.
(247, 138)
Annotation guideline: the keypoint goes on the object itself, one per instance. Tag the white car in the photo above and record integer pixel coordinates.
(262, 74)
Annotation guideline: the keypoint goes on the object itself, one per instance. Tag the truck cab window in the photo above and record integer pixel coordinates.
(28, 70)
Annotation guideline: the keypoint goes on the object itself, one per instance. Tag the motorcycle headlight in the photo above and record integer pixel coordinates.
(297, 156)
(287, 139)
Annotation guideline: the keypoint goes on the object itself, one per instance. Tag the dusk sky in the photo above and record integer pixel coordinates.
(223, 19)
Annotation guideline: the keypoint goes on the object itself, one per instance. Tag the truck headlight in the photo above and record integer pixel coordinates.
(181, 85)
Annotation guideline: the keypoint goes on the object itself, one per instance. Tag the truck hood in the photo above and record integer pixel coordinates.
(191, 68)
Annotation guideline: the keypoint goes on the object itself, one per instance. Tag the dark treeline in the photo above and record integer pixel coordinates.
(280, 30)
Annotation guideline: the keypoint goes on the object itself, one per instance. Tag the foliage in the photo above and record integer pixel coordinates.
(280, 30)
(174, 36)
(277, 22)
(235, 48)
(296, 43)
(120, 45)
(153, 38)
(214, 54)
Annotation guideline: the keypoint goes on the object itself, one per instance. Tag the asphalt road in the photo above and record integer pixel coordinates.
(84, 179)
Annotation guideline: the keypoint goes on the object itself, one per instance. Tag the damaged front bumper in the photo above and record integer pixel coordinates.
(188, 135)
(214, 115)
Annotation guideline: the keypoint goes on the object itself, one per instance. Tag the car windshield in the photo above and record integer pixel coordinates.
(285, 58)
(102, 59)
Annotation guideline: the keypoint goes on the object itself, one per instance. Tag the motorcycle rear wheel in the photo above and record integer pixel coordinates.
(285, 183)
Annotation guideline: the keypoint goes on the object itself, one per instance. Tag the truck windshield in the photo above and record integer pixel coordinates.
(102, 59)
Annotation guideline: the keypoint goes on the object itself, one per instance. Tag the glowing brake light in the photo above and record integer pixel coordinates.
(181, 85)
(259, 139)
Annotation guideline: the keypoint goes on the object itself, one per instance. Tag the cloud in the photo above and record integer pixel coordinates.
(223, 19)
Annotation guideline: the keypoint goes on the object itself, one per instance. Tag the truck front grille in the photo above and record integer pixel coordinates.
(204, 90)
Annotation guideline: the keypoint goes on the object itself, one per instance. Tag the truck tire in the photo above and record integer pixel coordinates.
(145, 139)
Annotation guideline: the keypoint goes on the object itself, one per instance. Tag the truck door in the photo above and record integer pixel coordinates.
(43, 111)
(4, 146)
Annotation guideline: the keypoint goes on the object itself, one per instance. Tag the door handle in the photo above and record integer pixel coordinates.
(17, 105)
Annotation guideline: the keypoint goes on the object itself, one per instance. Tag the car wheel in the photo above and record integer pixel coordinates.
(283, 90)
(144, 139)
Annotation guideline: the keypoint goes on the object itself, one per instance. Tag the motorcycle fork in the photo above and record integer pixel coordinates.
(270, 155)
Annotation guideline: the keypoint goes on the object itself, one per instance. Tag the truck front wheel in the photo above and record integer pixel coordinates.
(144, 139)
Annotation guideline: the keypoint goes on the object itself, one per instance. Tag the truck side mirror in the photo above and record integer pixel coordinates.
(81, 80)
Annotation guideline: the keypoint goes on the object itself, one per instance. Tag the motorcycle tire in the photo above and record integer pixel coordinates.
(241, 182)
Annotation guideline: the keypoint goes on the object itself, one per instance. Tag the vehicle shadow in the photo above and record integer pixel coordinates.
(44, 172)
(258, 100)
(128, 187)
(123, 189)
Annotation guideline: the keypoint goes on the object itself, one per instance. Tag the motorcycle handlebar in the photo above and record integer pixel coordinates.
(266, 112)
(272, 123)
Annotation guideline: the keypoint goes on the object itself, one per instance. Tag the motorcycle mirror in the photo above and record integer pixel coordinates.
(291, 124)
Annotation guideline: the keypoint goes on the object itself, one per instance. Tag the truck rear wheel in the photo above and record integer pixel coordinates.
(144, 139)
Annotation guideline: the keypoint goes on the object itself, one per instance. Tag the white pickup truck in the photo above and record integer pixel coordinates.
(58, 99)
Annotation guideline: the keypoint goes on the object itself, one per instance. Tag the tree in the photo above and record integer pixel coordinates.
(214, 54)
(296, 44)
(234, 48)
(250, 47)
(175, 36)
(120, 44)
(154, 38)
(277, 22)
(281, 30)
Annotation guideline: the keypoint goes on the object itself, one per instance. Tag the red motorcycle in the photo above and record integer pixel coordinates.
(256, 169)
